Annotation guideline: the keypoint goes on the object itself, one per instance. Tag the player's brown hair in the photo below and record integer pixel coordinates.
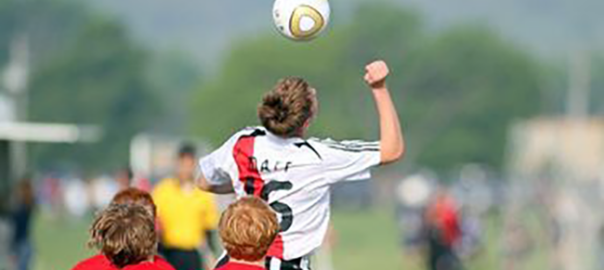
(125, 234)
(248, 227)
(135, 196)
(285, 109)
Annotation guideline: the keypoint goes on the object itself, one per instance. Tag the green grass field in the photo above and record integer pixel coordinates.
(365, 240)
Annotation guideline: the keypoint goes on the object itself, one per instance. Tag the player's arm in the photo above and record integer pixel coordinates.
(205, 185)
(213, 169)
(392, 146)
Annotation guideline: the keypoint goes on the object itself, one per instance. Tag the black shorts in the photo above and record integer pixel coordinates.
(183, 259)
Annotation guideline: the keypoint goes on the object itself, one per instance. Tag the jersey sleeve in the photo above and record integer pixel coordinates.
(216, 166)
(349, 160)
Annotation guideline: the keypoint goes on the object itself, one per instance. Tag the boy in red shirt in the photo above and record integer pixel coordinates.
(126, 235)
(247, 229)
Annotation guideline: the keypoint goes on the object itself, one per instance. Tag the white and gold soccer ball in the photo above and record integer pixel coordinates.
(301, 19)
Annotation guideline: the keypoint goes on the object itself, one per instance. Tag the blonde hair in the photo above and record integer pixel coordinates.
(248, 228)
(125, 234)
(286, 108)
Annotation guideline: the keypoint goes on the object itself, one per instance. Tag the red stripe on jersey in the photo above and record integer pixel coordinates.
(276, 249)
(243, 152)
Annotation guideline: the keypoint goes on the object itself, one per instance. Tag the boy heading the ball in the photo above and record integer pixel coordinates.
(276, 163)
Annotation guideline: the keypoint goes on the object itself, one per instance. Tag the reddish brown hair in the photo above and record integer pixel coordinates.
(135, 196)
(248, 228)
(125, 234)
(286, 108)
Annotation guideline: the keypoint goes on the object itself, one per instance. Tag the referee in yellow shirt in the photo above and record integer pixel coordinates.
(187, 216)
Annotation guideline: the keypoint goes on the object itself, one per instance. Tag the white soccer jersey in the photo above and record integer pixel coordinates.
(294, 176)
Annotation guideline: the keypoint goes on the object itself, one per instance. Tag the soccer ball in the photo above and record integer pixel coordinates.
(301, 19)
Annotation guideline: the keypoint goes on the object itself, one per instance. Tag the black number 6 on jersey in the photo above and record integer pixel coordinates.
(284, 210)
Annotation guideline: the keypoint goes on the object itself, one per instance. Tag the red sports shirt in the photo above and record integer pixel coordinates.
(100, 262)
(239, 266)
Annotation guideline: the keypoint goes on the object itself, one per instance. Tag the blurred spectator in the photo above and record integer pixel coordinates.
(126, 236)
(77, 200)
(443, 232)
(21, 220)
(103, 189)
(124, 178)
(50, 195)
(187, 216)
(470, 244)
(517, 244)
(413, 195)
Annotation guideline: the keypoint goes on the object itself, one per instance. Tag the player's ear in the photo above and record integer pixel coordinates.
(305, 126)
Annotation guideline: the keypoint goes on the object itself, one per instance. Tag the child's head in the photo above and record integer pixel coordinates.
(135, 196)
(286, 111)
(248, 228)
(125, 234)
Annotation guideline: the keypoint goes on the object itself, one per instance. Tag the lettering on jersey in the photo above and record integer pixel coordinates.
(268, 166)
(289, 163)
(264, 167)
(253, 164)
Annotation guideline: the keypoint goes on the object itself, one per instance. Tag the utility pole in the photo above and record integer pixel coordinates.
(577, 106)
(580, 233)
(15, 81)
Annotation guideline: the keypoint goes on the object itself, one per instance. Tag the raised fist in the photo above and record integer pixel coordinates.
(376, 74)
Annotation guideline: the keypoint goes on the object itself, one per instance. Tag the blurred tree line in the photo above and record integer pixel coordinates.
(87, 69)
(457, 89)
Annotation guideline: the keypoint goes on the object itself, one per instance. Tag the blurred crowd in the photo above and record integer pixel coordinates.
(60, 195)
(186, 222)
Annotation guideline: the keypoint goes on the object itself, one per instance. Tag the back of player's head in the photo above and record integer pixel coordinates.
(248, 227)
(286, 109)
(135, 196)
(125, 234)
(187, 150)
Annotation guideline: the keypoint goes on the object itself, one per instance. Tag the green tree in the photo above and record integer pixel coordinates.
(333, 63)
(458, 89)
(49, 24)
(173, 76)
(98, 79)
(465, 87)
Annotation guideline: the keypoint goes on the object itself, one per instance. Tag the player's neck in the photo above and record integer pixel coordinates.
(256, 263)
(301, 133)
(184, 178)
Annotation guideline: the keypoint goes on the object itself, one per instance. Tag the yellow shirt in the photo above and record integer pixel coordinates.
(184, 215)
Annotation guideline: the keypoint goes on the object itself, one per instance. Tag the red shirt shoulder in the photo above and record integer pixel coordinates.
(98, 262)
(240, 266)
(157, 264)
